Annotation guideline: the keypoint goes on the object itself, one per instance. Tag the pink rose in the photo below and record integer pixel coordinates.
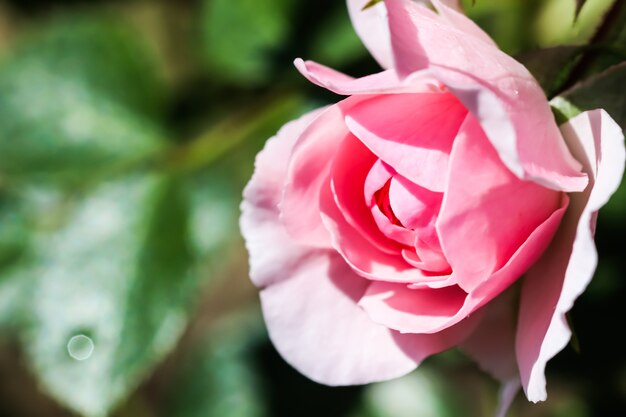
(387, 227)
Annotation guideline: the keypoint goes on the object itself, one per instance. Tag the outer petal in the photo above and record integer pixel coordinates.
(316, 325)
(562, 274)
(496, 89)
(309, 167)
(371, 26)
(259, 220)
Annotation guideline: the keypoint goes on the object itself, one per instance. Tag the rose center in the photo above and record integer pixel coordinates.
(381, 197)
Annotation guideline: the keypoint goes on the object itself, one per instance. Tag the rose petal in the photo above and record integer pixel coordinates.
(365, 258)
(562, 274)
(259, 219)
(351, 166)
(371, 26)
(413, 133)
(417, 209)
(403, 236)
(412, 310)
(413, 205)
(505, 98)
(487, 212)
(379, 83)
(406, 320)
(309, 168)
(316, 325)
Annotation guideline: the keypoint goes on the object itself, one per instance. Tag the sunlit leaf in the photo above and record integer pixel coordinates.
(113, 288)
(77, 98)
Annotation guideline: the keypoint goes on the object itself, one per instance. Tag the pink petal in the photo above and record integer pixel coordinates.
(417, 209)
(365, 258)
(411, 132)
(508, 392)
(562, 274)
(309, 168)
(412, 310)
(496, 89)
(260, 216)
(351, 166)
(487, 212)
(371, 26)
(452, 13)
(382, 82)
(413, 205)
(399, 234)
(391, 304)
(316, 325)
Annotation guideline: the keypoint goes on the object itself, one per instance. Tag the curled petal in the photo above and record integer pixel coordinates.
(562, 274)
(382, 82)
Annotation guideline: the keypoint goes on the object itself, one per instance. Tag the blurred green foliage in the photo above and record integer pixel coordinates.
(127, 132)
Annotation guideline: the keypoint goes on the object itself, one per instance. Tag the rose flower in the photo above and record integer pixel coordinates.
(388, 227)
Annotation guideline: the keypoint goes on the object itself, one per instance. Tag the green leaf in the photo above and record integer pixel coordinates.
(240, 36)
(116, 279)
(79, 97)
(551, 66)
(579, 6)
(605, 90)
(13, 232)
